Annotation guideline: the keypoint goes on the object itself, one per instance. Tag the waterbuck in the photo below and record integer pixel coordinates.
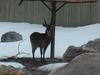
(41, 40)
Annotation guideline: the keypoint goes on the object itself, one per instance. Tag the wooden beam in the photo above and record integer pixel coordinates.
(60, 7)
(72, 1)
(46, 5)
(67, 1)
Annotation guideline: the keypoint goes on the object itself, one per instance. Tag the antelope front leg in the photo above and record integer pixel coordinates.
(41, 52)
(33, 52)
(44, 50)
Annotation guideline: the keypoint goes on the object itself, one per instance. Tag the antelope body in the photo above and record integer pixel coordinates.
(41, 40)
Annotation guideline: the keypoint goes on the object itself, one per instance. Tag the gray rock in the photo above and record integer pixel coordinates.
(90, 47)
(39, 72)
(11, 37)
(9, 70)
(72, 52)
(84, 64)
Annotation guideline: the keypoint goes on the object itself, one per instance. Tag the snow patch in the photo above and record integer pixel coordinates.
(51, 67)
(14, 64)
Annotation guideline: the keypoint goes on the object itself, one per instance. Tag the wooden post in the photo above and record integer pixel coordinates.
(53, 21)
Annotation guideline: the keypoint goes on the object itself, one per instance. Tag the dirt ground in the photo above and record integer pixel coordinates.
(32, 65)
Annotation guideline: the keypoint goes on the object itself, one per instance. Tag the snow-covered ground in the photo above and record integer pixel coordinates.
(64, 37)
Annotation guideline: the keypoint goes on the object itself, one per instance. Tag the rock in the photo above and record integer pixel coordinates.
(72, 52)
(84, 64)
(39, 72)
(11, 37)
(90, 47)
(9, 70)
(93, 46)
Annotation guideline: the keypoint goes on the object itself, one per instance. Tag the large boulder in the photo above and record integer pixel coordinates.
(11, 37)
(90, 47)
(93, 45)
(39, 72)
(84, 64)
(72, 52)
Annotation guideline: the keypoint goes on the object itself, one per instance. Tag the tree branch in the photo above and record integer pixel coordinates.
(46, 5)
(60, 7)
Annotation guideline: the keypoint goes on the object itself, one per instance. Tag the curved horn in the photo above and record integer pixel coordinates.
(45, 21)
